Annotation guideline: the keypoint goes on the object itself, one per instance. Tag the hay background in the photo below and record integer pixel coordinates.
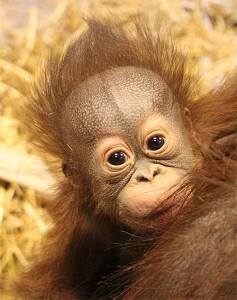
(27, 32)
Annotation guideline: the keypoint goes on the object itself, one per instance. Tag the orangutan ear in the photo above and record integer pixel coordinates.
(67, 169)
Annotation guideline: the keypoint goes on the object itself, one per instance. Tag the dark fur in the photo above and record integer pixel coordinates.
(80, 247)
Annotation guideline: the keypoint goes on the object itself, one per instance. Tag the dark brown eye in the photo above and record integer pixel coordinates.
(155, 143)
(117, 158)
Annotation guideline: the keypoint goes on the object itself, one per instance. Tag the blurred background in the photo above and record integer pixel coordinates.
(28, 30)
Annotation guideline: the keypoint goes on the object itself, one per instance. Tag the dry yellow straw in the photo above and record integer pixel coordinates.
(206, 27)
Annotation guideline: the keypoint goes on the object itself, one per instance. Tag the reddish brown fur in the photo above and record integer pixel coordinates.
(77, 247)
(196, 257)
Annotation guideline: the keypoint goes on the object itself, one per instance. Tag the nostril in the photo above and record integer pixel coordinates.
(146, 173)
(141, 178)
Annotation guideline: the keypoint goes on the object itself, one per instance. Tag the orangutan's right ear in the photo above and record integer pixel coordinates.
(67, 169)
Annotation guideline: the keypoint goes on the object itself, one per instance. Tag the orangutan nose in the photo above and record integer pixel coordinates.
(146, 172)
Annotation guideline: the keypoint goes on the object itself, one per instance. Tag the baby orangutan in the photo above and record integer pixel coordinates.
(137, 153)
(128, 143)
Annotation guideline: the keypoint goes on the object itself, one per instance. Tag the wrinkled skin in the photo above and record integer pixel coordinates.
(121, 110)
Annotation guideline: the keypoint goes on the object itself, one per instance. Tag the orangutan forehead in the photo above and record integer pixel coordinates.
(136, 87)
(115, 99)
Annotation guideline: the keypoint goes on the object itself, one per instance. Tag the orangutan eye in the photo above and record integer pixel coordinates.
(118, 158)
(115, 155)
(155, 143)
